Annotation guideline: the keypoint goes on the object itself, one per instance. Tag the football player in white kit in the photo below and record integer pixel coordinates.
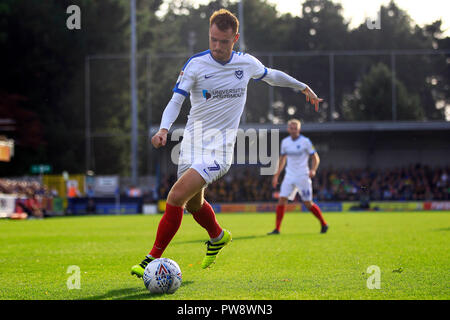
(216, 81)
(296, 150)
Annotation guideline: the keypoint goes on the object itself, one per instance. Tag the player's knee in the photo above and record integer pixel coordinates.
(193, 206)
(282, 201)
(308, 204)
(176, 198)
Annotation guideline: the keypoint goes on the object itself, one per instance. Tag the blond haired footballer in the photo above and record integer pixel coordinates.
(296, 150)
(216, 81)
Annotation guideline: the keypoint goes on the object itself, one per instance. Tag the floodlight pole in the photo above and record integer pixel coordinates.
(149, 112)
(271, 89)
(394, 88)
(87, 114)
(241, 26)
(134, 133)
(242, 43)
(332, 101)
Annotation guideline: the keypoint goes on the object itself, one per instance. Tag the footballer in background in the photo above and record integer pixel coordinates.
(296, 150)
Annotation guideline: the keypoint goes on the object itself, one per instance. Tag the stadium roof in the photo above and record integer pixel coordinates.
(7, 125)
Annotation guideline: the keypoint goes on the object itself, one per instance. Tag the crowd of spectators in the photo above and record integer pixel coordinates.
(246, 184)
(410, 183)
(30, 195)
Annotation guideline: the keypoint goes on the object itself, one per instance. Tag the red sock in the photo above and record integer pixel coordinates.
(207, 219)
(280, 215)
(316, 212)
(168, 226)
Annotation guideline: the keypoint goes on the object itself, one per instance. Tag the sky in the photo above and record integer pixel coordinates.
(357, 11)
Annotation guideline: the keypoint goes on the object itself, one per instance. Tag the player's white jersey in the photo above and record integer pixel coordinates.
(218, 93)
(298, 152)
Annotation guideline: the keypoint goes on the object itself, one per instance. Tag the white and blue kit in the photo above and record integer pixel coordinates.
(218, 92)
(296, 177)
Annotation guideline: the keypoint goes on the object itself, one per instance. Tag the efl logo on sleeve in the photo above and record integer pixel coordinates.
(180, 76)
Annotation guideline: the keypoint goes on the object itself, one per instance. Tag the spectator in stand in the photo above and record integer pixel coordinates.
(134, 192)
(91, 206)
(72, 190)
(31, 206)
(90, 193)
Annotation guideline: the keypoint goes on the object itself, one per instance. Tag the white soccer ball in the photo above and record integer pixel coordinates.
(162, 275)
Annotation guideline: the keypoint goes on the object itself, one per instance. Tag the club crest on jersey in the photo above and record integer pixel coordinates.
(239, 74)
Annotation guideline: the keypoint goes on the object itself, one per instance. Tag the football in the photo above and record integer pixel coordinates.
(162, 275)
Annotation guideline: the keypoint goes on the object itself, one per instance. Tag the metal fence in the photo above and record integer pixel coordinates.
(332, 74)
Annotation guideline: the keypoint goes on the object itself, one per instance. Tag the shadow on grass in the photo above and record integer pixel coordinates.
(442, 229)
(304, 234)
(131, 294)
(234, 239)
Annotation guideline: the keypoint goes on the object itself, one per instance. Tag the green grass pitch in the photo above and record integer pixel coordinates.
(410, 248)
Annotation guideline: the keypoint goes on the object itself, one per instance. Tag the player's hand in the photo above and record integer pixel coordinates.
(312, 97)
(312, 173)
(275, 181)
(160, 138)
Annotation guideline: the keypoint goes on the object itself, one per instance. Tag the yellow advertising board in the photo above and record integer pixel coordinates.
(5, 153)
(396, 205)
(57, 182)
(386, 205)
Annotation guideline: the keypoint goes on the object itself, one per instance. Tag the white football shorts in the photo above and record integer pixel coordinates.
(209, 171)
(301, 184)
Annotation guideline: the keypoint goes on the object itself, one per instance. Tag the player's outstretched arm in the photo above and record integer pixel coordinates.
(281, 79)
(312, 97)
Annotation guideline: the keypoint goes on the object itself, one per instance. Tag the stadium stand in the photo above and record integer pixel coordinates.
(28, 198)
(409, 183)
